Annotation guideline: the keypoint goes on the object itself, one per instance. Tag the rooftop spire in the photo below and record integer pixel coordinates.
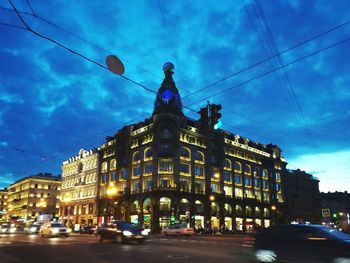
(168, 99)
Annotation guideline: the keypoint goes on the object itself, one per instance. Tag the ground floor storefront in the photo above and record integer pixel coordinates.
(159, 210)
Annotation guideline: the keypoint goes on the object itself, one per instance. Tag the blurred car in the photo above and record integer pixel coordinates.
(88, 230)
(4, 229)
(54, 229)
(33, 229)
(302, 243)
(179, 229)
(122, 231)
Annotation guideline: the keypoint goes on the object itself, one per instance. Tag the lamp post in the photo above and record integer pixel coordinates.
(111, 191)
(274, 214)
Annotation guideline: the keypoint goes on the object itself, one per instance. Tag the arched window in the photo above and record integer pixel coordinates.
(247, 169)
(147, 206)
(185, 153)
(199, 207)
(214, 208)
(228, 209)
(256, 171)
(266, 212)
(148, 154)
(136, 157)
(113, 164)
(239, 211)
(265, 173)
(227, 164)
(257, 211)
(165, 204)
(238, 167)
(199, 157)
(248, 211)
(278, 176)
(104, 167)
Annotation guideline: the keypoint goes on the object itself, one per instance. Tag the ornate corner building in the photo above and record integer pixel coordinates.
(170, 168)
(79, 189)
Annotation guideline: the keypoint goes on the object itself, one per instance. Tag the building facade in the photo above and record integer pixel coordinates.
(3, 204)
(338, 205)
(303, 198)
(171, 168)
(79, 188)
(34, 195)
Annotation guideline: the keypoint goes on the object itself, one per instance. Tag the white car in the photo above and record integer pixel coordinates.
(54, 229)
(179, 229)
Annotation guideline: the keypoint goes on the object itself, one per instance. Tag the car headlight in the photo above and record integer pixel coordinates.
(69, 230)
(32, 229)
(144, 232)
(127, 233)
(3, 230)
(12, 230)
(55, 231)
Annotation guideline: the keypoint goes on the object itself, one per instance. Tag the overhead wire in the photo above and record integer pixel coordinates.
(272, 70)
(304, 57)
(347, 22)
(35, 15)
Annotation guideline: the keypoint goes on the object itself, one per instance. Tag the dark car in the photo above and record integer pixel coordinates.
(302, 243)
(121, 232)
(33, 229)
(88, 230)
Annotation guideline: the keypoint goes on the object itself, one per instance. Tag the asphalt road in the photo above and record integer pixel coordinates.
(87, 248)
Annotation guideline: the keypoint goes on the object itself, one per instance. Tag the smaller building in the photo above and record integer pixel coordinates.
(34, 195)
(3, 204)
(302, 195)
(336, 206)
(79, 188)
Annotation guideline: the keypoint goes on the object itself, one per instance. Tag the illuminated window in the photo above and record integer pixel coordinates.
(113, 164)
(248, 182)
(199, 171)
(165, 166)
(228, 190)
(104, 178)
(199, 186)
(227, 164)
(239, 210)
(185, 168)
(123, 174)
(256, 171)
(199, 157)
(256, 183)
(136, 157)
(265, 185)
(227, 177)
(114, 176)
(238, 167)
(147, 185)
(135, 186)
(266, 197)
(265, 173)
(185, 153)
(185, 184)
(278, 177)
(148, 155)
(238, 179)
(148, 168)
(104, 167)
(247, 169)
(215, 188)
(136, 171)
(164, 204)
(248, 211)
(278, 187)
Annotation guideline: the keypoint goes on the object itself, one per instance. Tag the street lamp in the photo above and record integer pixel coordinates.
(111, 190)
(211, 198)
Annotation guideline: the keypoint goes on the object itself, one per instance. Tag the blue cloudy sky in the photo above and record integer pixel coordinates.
(52, 103)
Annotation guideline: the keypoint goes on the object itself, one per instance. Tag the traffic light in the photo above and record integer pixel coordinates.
(204, 119)
(215, 115)
(335, 219)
